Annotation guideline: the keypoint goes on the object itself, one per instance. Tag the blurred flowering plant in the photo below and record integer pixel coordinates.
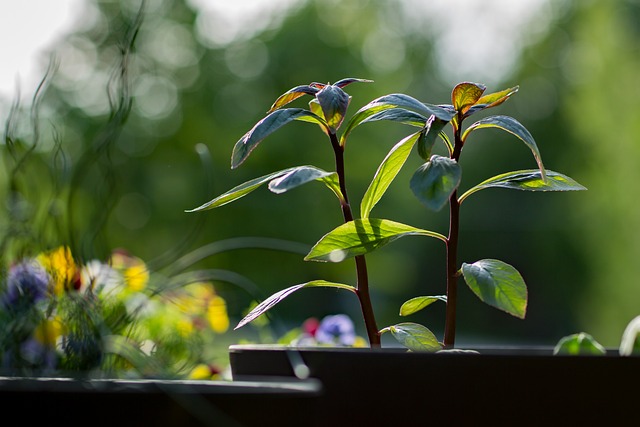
(108, 318)
(332, 330)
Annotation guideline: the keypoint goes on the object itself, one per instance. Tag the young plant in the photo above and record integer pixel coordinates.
(436, 184)
(327, 109)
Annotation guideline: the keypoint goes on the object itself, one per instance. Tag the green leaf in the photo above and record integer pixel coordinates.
(579, 344)
(240, 191)
(301, 175)
(512, 126)
(414, 336)
(630, 343)
(274, 299)
(274, 121)
(527, 180)
(418, 303)
(362, 236)
(427, 140)
(435, 181)
(396, 100)
(400, 115)
(491, 100)
(466, 94)
(347, 81)
(292, 95)
(497, 284)
(387, 172)
(334, 102)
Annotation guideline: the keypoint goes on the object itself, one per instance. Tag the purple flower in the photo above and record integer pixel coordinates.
(336, 329)
(27, 282)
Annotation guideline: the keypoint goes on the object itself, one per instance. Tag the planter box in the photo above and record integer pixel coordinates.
(498, 387)
(119, 403)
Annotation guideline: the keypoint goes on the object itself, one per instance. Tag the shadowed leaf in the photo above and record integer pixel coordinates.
(334, 102)
(394, 101)
(527, 180)
(498, 284)
(435, 181)
(344, 82)
(267, 126)
(274, 299)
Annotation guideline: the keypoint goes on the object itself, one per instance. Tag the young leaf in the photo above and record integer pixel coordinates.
(240, 191)
(334, 102)
(435, 181)
(491, 100)
(387, 172)
(347, 81)
(396, 100)
(466, 94)
(497, 284)
(292, 95)
(362, 236)
(512, 126)
(527, 180)
(267, 126)
(299, 176)
(579, 344)
(418, 303)
(414, 336)
(274, 299)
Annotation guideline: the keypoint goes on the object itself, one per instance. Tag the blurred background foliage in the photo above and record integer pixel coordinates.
(200, 76)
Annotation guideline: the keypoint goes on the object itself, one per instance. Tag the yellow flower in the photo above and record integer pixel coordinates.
(217, 314)
(184, 327)
(61, 267)
(134, 270)
(48, 332)
(136, 277)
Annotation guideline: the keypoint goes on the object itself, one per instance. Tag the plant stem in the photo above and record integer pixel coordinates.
(452, 252)
(362, 285)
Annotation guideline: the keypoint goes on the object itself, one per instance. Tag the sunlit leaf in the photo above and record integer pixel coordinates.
(579, 344)
(396, 100)
(344, 82)
(527, 180)
(274, 299)
(240, 191)
(303, 174)
(498, 284)
(267, 126)
(466, 94)
(386, 173)
(418, 303)
(334, 102)
(630, 343)
(435, 181)
(362, 236)
(414, 336)
(292, 95)
(491, 100)
(512, 126)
